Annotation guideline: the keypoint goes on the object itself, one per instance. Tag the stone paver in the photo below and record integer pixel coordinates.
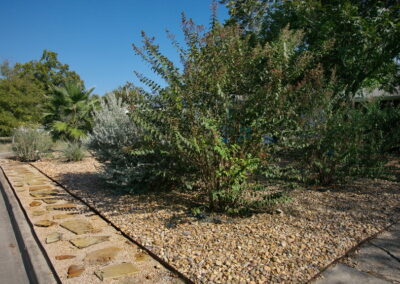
(116, 270)
(377, 261)
(78, 227)
(88, 241)
(64, 257)
(66, 206)
(75, 270)
(102, 256)
(53, 237)
(44, 223)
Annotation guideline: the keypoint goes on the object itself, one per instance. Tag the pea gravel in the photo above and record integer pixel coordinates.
(290, 247)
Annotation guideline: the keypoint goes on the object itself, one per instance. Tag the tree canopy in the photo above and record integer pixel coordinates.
(24, 88)
(358, 40)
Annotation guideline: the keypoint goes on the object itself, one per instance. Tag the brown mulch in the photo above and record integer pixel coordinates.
(313, 230)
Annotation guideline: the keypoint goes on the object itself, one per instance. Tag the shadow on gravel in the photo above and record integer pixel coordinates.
(114, 202)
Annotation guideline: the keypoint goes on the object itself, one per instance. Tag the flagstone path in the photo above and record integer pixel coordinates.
(79, 243)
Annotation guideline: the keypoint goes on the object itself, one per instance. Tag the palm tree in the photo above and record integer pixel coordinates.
(69, 111)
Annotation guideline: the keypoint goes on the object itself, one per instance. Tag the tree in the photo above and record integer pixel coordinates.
(24, 88)
(19, 100)
(363, 36)
(68, 114)
(48, 71)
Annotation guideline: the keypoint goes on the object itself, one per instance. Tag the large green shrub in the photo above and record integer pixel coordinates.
(30, 144)
(213, 117)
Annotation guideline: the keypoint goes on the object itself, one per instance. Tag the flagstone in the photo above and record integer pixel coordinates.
(65, 206)
(88, 241)
(141, 256)
(77, 226)
(40, 187)
(75, 270)
(50, 201)
(102, 256)
(38, 212)
(53, 237)
(42, 194)
(45, 223)
(63, 216)
(116, 270)
(38, 182)
(63, 257)
(35, 203)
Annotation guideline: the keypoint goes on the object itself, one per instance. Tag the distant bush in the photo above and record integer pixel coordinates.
(348, 142)
(74, 151)
(30, 144)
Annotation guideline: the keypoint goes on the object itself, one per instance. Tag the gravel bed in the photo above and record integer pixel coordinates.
(150, 271)
(317, 227)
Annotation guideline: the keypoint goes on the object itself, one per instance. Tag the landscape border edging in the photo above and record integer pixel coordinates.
(37, 264)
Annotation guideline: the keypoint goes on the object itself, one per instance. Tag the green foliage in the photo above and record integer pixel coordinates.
(30, 143)
(346, 142)
(213, 116)
(24, 88)
(74, 152)
(128, 93)
(19, 101)
(363, 35)
(68, 113)
(47, 72)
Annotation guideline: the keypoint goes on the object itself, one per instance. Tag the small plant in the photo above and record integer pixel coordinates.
(74, 152)
(30, 144)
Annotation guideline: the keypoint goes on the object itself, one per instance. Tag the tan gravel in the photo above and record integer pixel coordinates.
(149, 270)
(291, 247)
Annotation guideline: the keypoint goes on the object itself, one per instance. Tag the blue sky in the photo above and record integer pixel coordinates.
(94, 37)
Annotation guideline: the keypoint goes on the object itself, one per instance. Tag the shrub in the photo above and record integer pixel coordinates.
(345, 142)
(212, 118)
(113, 137)
(30, 144)
(74, 151)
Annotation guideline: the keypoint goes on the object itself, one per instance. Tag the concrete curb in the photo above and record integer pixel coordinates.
(37, 264)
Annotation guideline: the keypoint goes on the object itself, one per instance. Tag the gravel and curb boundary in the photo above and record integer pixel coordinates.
(37, 264)
(351, 251)
(152, 254)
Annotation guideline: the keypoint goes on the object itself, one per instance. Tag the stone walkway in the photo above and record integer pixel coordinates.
(377, 261)
(81, 246)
